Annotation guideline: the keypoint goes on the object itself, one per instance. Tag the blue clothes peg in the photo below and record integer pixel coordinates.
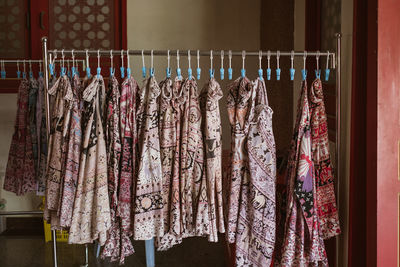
(63, 70)
(269, 74)
(318, 74)
(3, 74)
(51, 68)
(179, 73)
(128, 73)
(278, 74)
(190, 73)
(198, 70)
(98, 72)
(243, 72)
(24, 75)
(327, 71)
(73, 70)
(151, 72)
(112, 71)
(304, 74)
(211, 71)
(292, 72)
(69, 73)
(230, 73)
(168, 72)
(88, 72)
(18, 74)
(41, 74)
(122, 72)
(222, 73)
(144, 72)
(260, 74)
(30, 74)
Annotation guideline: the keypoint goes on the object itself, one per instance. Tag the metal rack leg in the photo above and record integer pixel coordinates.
(150, 257)
(54, 239)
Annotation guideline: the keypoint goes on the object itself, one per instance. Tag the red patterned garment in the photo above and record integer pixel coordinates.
(174, 234)
(302, 244)
(148, 207)
(238, 106)
(193, 183)
(60, 115)
(211, 128)
(33, 94)
(73, 152)
(20, 175)
(91, 214)
(326, 200)
(42, 139)
(255, 235)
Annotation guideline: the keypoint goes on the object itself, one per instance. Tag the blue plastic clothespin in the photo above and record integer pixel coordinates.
(128, 72)
(327, 71)
(98, 72)
(30, 74)
(88, 72)
(122, 72)
(73, 71)
(112, 72)
(198, 71)
(151, 72)
(179, 72)
(278, 74)
(260, 74)
(269, 74)
(69, 73)
(168, 72)
(24, 75)
(222, 73)
(243, 70)
(144, 72)
(3, 74)
(304, 74)
(63, 71)
(211, 71)
(292, 72)
(318, 74)
(190, 73)
(18, 74)
(243, 73)
(40, 74)
(230, 73)
(51, 68)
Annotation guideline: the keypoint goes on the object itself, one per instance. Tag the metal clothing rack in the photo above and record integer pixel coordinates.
(150, 258)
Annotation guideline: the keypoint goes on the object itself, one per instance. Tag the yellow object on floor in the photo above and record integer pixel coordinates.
(61, 236)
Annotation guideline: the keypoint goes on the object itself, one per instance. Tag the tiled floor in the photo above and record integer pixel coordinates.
(33, 251)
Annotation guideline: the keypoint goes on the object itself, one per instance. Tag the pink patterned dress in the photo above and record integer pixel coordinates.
(238, 106)
(148, 207)
(42, 139)
(211, 128)
(193, 183)
(91, 214)
(73, 152)
(20, 170)
(326, 200)
(302, 244)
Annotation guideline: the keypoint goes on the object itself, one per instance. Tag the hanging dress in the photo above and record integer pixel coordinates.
(211, 128)
(60, 115)
(33, 94)
(193, 184)
(326, 200)
(148, 207)
(174, 234)
(42, 139)
(91, 214)
(73, 152)
(255, 235)
(238, 105)
(20, 171)
(302, 243)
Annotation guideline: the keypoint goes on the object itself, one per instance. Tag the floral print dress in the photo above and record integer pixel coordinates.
(73, 152)
(33, 94)
(211, 127)
(255, 235)
(20, 171)
(148, 207)
(42, 139)
(238, 106)
(302, 244)
(326, 200)
(91, 214)
(193, 183)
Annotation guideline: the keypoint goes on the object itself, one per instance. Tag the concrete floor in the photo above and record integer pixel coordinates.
(32, 251)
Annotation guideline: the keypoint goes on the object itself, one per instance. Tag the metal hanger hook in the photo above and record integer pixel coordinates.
(111, 58)
(243, 58)
(177, 58)
(278, 55)
(304, 59)
(327, 60)
(62, 56)
(151, 57)
(143, 58)
(211, 58)
(222, 59)
(189, 59)
(317, 57)
(198, 59)
(98, 58)
(168, 58)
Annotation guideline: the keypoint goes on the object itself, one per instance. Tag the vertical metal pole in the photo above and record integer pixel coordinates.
(46, 102)
(338, 125)
(150, 257)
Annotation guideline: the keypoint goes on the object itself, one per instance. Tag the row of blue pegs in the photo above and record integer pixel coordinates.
(30, 73)
(179, 73)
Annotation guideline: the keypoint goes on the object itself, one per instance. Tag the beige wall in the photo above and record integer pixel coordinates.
(195, 24)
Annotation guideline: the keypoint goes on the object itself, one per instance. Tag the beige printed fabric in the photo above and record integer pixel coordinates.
(211, 129)
(91, 215)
